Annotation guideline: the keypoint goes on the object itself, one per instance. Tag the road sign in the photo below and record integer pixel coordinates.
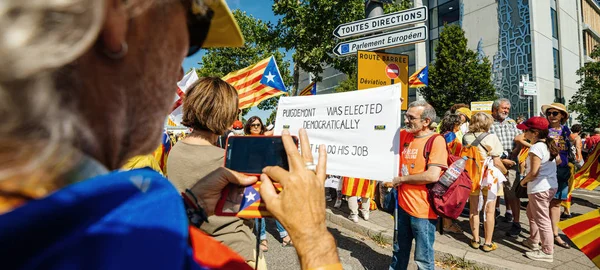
(382, 41)
(377, 69)
(482, 106)
(529, 88)
(392, 71)
(380, 23)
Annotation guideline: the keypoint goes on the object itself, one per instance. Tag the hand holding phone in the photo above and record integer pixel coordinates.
(250, 155)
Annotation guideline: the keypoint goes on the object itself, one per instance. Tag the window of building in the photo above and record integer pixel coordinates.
(556, 64)
(448, 12)
(433, 18)
(558, 96)
(432, 46)
(554, 17)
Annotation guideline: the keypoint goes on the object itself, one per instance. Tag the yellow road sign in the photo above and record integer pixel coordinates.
(377, 69)
(481, 106)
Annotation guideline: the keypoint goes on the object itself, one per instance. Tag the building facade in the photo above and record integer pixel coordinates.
(545, 39)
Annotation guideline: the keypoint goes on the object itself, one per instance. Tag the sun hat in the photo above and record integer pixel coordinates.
(536, 122)
(224, 30)
(466, 112)
(557, 106)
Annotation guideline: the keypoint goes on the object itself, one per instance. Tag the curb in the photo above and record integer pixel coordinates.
(441, 250)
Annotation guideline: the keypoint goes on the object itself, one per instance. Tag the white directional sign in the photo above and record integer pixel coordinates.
(529, 88)
(382, 41)
(385, 22)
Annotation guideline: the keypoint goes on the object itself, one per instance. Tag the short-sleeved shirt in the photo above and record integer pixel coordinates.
(413, 198)
(546, 178)
(560, 137)
(591, 142)
(506, 131)
(490, 145)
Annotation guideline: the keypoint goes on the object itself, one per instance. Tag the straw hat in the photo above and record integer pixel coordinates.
(557, 106)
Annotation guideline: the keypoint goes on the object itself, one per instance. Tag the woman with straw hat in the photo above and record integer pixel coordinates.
(557, 116)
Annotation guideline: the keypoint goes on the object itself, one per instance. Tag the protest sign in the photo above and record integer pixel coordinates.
(360, 129)
(482, 106)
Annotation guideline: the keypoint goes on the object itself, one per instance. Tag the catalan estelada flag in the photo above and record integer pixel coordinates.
(252, 206)
(309, 90)
(587, 176)
(162, 152)
(419, 78)
(584, 231)
(358, 187)
(452, 143)
(257, 82)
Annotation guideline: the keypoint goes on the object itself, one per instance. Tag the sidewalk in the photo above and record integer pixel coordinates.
(509, 255)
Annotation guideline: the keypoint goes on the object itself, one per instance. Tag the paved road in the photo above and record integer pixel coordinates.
(356, 251)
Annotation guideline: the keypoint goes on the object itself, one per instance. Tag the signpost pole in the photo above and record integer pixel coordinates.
(373, 9)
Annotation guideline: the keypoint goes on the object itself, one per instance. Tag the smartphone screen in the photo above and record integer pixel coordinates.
(250, 154)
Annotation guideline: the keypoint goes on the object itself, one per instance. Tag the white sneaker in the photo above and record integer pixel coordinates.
(338, 203)
(353, 218)
(530, 245)
(365, 215)
(539, 255)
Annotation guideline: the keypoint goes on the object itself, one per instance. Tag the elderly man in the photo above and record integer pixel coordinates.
(85, 85)
(506, 129)
(416, 218)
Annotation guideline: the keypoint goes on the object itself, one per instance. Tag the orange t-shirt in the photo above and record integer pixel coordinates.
(413, 198)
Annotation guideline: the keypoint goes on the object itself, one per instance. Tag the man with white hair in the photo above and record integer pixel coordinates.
(416, 219)
(506, 129)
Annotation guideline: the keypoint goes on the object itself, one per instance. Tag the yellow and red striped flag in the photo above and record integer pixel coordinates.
(309, 90)
(420, 78)
(358, 187)
(587, 176)
(257, 82)
(584, 231)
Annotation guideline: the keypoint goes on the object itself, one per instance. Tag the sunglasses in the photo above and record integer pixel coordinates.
(199, 16)
(554, 113)
(255, 125)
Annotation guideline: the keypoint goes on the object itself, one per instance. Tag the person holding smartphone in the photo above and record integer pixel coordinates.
(210, 108)
(254, 127)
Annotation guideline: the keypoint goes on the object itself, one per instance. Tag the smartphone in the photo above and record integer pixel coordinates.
(250, 155)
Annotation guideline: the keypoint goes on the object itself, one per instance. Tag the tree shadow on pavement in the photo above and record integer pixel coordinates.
(369, 258)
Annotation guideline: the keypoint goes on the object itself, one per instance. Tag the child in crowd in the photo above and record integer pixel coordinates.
(542, 183)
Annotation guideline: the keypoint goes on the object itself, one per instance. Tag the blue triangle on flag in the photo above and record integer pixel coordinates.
(271, 76)
(424, 76)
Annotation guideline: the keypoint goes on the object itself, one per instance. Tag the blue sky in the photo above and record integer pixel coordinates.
(260, 9)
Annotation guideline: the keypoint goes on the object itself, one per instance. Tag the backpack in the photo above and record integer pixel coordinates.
(474, 164)
(451, 203)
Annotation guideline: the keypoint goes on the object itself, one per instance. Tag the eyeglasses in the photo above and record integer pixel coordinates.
(199, 16)
(412, 118)
(256, 125)
(554, 113)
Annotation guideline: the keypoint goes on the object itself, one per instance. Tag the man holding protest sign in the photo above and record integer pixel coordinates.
(416, 218)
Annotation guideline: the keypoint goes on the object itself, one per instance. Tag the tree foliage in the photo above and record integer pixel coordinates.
(586, 101)
(307, 28)
(259, 44)
(458, 75)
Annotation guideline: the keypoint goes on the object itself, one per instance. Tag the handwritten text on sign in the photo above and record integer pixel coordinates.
(359, 129)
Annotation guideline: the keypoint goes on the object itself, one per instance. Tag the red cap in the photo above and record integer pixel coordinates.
(237, 124)
(535, 122)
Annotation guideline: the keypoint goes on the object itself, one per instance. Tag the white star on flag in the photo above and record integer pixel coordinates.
(421, 76)
(250, 197)
(270, 77)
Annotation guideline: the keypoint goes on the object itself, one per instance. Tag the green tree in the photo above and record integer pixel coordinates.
(457, 76)
(307, 28)
(349, 84)
(259, 44)
(586, 101)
